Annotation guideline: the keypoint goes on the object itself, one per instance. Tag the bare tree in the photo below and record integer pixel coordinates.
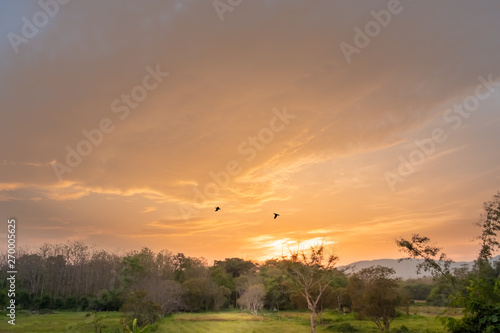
(253, 298)
(312, 273)
(168, 294)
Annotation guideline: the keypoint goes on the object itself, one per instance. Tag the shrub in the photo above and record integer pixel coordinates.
(83, 303)
(402, 329)
(58, 304)
(139, 307)
(344, 327)
(70, 303)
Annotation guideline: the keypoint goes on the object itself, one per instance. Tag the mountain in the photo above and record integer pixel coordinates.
(405, 269)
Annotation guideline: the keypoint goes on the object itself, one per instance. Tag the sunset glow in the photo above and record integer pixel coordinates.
(124, 124)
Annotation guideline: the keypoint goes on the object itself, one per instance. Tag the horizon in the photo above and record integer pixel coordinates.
(125, 125)
(210, 261)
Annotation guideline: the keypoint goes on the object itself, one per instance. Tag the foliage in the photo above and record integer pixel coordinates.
(95, 321)
(135, 328)
(374, 293)
(434, 260)
(199, 294)
(139, 307)
(481, 298)
(236, 266)
(418, 289)
(482, 310)
(402, 329)
(344, 327)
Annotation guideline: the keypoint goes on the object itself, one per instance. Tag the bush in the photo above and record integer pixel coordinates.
(139, 307)
(58, 304)
(83, 303)
(70, 303)
(402, 329)
(344, 327)
(43, 302)
(4, 300)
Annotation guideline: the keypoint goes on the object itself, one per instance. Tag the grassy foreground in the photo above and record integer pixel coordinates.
(74, 322)
(422, 319)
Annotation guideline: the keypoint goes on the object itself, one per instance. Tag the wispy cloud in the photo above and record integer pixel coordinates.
(322, 171)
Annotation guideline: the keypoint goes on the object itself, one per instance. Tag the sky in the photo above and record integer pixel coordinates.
(125, 123)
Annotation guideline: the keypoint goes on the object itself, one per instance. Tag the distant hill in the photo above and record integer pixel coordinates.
(406, 269)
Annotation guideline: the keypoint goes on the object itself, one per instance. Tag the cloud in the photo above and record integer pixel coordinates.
(225, 80)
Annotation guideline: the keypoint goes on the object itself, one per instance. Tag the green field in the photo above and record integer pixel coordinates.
(421, 319)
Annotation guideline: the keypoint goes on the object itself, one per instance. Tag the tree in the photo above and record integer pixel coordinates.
(220, 295)
(482, 296)
(198, 294)
(418, 289)
(139, 307)
(374, 293)
(169, 294)
(312, 274)
(253, 298)
(490, 225)
(236, 266)
(339, 294)
(276, 283)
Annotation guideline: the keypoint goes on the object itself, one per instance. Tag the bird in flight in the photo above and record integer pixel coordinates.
(217, 208)
(276, 215)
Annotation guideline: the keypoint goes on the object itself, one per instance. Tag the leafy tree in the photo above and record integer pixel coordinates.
(339, 295)
(226, 286)
(4, 299)
(70, 303)
(189, 268)
(277, 284)
(138, 306)
(43, 302)
(83, 303)
(132, 270)
(108, 300)
(418, 289)
(58, 303)
(440, 294)
(220, 296)
(198, 294)
(374, 293)
(236, 266)
(482, 296)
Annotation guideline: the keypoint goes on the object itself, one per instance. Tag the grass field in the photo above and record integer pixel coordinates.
(421, 319)
(73, 322)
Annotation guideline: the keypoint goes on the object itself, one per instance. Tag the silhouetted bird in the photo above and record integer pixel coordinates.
(276, 215)
(217, 208)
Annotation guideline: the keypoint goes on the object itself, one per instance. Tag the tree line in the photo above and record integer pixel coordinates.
(148, 285)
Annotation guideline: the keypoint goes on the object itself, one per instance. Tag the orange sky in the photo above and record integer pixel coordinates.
(124, 124)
